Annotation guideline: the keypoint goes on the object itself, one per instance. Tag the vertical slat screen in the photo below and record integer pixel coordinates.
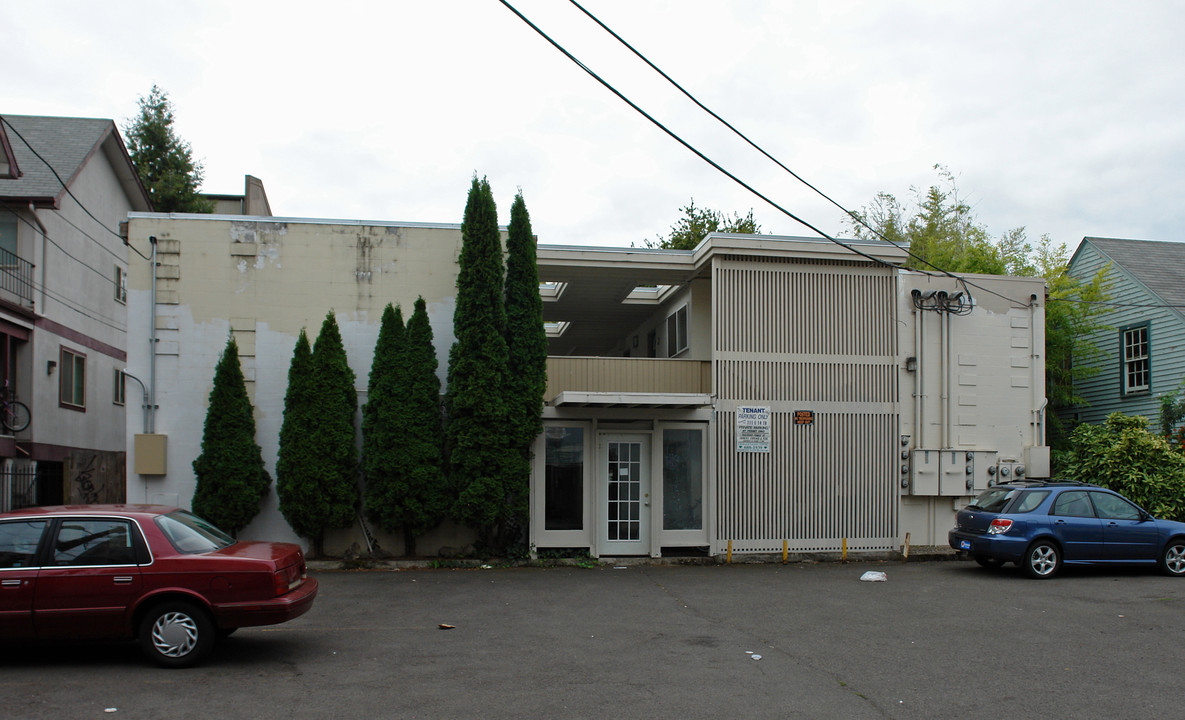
(806, 335)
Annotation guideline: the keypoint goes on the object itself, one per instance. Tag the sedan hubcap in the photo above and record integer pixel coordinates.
(1175, 559)
(1043, 559)
(174, 634)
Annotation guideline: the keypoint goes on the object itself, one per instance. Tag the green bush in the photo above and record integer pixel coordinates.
(1124, 456)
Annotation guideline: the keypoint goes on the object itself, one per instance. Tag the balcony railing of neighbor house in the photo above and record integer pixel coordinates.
(643, 375)
(16, 279)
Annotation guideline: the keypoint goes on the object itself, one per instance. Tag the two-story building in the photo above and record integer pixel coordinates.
(66, 184)
(755, 394)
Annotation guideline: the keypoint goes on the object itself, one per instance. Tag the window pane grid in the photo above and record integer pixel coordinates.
(1136, 365)
(625, 491)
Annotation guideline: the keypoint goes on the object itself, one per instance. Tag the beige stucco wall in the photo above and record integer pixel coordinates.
(265, 279)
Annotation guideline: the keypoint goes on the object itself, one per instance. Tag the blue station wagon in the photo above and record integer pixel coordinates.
(1042, 525)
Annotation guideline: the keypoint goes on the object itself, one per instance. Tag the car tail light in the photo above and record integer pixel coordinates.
(288, 579)
(999, 526)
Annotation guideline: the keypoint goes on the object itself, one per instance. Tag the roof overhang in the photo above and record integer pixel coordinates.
(571, 398)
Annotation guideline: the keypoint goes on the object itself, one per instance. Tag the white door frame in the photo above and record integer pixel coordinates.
(624, 502)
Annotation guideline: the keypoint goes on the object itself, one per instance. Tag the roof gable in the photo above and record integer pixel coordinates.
(1158, 266)
(9, 170)
(51, 151)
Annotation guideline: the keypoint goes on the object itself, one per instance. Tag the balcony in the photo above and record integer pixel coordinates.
(16, 280)
(627, 375)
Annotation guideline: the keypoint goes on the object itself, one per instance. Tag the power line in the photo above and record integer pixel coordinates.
(687, 145)
(63, 250)
(854, 216)
(70, 192)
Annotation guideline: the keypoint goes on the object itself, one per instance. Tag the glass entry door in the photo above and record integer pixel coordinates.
(624, 522)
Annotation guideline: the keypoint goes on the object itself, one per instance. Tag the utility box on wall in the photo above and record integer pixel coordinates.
(151, 454)
(923, 478)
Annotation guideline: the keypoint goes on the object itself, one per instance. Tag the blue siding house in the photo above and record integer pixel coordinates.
(1144, 344)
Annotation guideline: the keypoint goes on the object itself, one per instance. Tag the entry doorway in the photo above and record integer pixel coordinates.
(623, 520)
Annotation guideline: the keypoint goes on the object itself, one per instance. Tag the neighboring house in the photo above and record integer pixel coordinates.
(66, 184)
(1143, 344)
(756, 393)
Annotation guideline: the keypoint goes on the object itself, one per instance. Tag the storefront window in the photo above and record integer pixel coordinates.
(563, 493)
(682, 480)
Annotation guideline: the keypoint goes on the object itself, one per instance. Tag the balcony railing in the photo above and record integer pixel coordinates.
(16, 279)
(636, 375)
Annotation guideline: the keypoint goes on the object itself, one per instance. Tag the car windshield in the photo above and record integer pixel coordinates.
(191, 534)
(994, 500)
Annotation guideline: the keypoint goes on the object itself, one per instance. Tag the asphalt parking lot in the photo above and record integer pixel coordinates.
(937, 640)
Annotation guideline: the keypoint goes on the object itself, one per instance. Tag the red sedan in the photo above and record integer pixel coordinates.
(159, 574)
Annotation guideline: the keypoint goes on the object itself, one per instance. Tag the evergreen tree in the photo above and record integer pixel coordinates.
(526, 340)
(336, 402)
(480, 457)
(164, 161)
(231, 478)
(317, 464)
(421, 497)
(297, 483)
(380, 436)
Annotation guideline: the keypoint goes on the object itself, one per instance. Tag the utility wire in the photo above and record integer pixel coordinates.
(70, 192)
(687, 145)
(855, 216)
(63, 250)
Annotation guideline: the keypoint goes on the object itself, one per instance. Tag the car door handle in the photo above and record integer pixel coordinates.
(11, 583)
(123, 579)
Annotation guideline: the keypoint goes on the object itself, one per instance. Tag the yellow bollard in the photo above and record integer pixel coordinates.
(784, 548)
(730, 552)
(844, 557)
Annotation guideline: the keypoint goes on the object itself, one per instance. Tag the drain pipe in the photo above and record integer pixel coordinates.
(152, 346)
(44, 250)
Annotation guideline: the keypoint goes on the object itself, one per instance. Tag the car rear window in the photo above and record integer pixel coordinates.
(1030, 500)
(191, 534)
(994, 500)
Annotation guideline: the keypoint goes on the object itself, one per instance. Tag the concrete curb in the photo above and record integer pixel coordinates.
(916, 554)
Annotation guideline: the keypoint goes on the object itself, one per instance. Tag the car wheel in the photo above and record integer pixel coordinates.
(176, 634)
(1172, 560)
(1042, 560)
(989, 562)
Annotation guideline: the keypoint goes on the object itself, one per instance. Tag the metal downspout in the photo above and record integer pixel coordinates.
(1034, 359)
(152, 345)
(919, 407)
(44, 250)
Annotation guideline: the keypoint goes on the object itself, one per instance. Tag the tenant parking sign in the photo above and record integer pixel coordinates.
(753, 429)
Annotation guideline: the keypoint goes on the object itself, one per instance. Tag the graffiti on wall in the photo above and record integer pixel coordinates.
(95, 477)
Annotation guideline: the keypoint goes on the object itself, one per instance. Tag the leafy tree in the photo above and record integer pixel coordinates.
(696, 223)
(164, 161)
(419, 497)
(297, 483)
(1121, 454)
(231, 477)
(336, 402)
(380, 436)
(526, 340)
(480, 455)
(942, 232)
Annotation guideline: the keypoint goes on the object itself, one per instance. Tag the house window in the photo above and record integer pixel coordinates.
(677, 332)
(72, 385)
(121, 285)
(563, 479)
(1136, 369)
(8, 253)
(119, 392)
(682, 479)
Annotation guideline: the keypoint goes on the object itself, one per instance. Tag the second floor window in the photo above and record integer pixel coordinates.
(677, 332)
(72, 385)
(121, 285)
(1136, 369)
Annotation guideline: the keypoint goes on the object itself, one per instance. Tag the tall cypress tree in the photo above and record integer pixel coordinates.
(480, 457)
(336, 402)
(421, 497)
(231, 477)
(380, 437)
(297, 483)
(526, 340)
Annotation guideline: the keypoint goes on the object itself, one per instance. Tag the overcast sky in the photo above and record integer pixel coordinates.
(1063, 117)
